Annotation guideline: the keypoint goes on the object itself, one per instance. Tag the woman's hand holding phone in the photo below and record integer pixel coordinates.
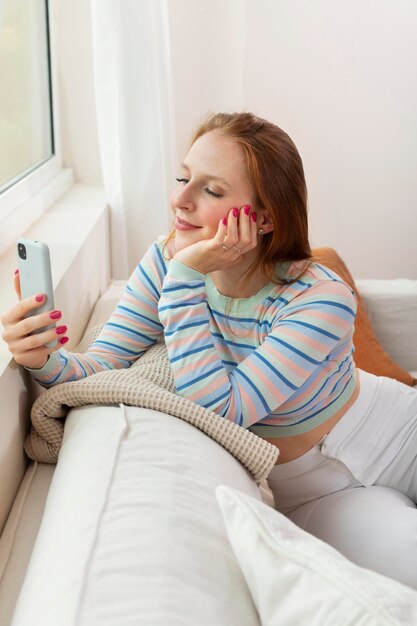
(30, 327)
(29, 349)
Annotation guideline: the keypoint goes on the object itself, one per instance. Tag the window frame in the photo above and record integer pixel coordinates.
(30, 196)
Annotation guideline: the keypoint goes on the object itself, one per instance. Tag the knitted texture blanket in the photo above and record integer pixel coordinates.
(148, 383)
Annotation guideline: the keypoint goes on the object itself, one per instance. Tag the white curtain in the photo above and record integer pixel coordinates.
(134, 100)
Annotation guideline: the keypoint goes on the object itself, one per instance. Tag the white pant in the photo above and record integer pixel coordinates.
(374, 445)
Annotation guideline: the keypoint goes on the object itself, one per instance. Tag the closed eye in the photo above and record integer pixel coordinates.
(213, 193)
(206, 189)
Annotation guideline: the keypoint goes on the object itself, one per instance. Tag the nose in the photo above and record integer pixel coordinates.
(183, 198)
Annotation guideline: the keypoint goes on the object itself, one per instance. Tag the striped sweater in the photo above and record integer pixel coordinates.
(279, 363)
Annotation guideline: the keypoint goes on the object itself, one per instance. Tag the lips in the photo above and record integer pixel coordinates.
(185, 223)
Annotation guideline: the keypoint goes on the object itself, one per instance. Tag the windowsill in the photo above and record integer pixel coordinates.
(65, 227)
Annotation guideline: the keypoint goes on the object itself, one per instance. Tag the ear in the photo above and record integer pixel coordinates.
(265, 222)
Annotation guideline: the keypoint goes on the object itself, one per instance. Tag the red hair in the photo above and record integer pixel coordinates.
(276, 171)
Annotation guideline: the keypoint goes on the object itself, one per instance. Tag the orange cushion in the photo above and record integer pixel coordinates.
(369, 355)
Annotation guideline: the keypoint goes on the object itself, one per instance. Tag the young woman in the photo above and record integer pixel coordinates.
(255, 329)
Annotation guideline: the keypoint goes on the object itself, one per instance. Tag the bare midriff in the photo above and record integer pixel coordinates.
(291, 448)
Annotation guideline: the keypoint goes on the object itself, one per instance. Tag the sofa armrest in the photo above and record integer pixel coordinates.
(391, 306)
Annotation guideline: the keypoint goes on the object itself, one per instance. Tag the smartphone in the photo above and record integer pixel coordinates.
(34, 264)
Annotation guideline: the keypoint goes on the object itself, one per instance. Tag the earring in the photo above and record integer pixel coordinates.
(261, 231)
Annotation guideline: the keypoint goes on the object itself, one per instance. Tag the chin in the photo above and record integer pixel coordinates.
(186, 238)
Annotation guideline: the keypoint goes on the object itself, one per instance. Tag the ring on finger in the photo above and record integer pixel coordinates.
(237, 249)
(225, 247)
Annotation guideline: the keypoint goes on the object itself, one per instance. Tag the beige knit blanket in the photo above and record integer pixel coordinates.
(148, 383)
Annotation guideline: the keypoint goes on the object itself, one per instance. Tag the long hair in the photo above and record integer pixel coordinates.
(276, 172)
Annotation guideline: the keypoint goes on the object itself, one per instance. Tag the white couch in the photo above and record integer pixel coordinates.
(126, 529)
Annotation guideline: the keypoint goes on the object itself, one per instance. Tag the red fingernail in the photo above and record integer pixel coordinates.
(254, 216)
(224, 220)
(55, 315)
(235, 212)
(16, 272)
(246, 208)
(60, 330)
(63, 340)
(39, 297)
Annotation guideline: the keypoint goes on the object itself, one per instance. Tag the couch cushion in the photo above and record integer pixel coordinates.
(369, 354)
(391, 306)
(131, 532)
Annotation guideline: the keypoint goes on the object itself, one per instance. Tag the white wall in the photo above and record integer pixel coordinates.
(206, 40)
(339, 77)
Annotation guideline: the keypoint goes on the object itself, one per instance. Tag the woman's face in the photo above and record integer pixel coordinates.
(212, 180)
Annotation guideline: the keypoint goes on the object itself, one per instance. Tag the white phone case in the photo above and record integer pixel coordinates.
(35, 277)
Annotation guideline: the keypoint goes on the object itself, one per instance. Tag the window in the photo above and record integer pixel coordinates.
(26, 124)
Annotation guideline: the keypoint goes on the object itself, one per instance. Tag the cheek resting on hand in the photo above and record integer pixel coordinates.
(233, 238)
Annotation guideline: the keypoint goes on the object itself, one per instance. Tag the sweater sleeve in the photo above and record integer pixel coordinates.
(131, 329)
(311, 327)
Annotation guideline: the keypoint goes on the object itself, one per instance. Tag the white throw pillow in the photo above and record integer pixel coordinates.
(296, 578)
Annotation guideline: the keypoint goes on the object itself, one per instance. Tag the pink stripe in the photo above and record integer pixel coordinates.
(253, 370)
(192, 368)
(329, 318)
(138, 306)
(279, 359)
(175, 344)
(249, 411)
(299, 337)
(182, 316)
(205, 392)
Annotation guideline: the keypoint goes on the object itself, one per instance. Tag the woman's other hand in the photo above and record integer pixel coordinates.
(29, 349)
(236, 235)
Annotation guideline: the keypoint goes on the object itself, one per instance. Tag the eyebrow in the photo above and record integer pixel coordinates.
(209, 176)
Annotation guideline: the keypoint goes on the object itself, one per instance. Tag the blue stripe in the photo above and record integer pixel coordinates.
(177, 306)
(310, 400)
(185, 354)
(293, 349)
(308, 285)
(323, 269)
(64, 358)
(142, 271)
(184, 327)
(148, 319)
(233, 343)
(235, 319)
(318, 330)
(224, 395)
(260, 396)
(183, 286)
(129, 330)
(305, 419)
(341, 306)
(233, 363)
(338, 382)
(161, 259)
(276, 372)
(80, 364)
(117, 346)
(331, 303)
(279, 298)
(196, 380)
